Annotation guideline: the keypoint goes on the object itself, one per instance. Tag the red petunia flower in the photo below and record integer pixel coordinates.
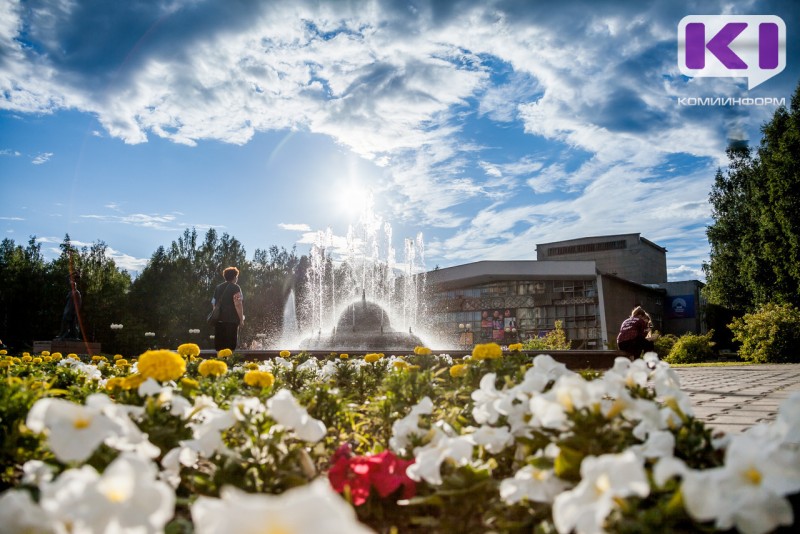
(385, 472)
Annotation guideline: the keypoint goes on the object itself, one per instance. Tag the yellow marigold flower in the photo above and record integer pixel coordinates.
(4, 364)
(224, 353)
(26, 354)
(259, 379)
(14, 381)
(56, 356)
(344, 356)
(45, 353)
(36, 360)
(114, 382)
(26, 357)
(188, 349)
(16, 360)
(487, 351)
(122, 362)
(251, 366)
(422, 351)
(117, 357)
(458, 370)
(212, 368)
(372, 357)
(133, 381)
(285, 354)
(162, 365)
(515, 347)
(97, 358)
(413, 367)
(401, 365)
(73, 356)
(47, 359)
(3, 352)
(189, 383)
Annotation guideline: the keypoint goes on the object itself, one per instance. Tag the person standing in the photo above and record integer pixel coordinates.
(634, 333)
(228, 296)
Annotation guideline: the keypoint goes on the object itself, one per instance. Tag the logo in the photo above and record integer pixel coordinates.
(732, 46)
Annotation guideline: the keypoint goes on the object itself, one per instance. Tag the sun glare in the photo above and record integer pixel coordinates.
(353, 199)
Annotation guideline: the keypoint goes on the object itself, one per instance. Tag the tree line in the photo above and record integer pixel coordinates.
(755, 233)
(170, 298)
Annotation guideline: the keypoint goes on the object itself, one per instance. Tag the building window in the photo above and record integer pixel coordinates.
(587, 247)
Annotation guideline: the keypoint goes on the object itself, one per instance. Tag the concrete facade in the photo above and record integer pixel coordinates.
(628, 256)
(684, 308)
(510, 301)
(590, 284)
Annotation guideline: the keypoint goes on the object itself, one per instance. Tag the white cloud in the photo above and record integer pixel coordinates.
(295, 227)
(593, 86)
(156, 222)
(44, 157)
(9, 152)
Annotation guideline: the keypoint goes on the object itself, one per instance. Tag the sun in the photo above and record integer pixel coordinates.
(353, 199)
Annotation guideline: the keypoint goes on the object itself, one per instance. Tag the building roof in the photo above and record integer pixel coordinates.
(600, 238)
(483, 272)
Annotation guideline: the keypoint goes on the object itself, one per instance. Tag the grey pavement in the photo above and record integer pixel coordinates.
(732, 399)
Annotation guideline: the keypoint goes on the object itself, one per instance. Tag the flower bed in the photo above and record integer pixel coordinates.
(496, 442)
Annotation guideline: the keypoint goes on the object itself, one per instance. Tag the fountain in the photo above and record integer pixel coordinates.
(363, 300)
(362, 326)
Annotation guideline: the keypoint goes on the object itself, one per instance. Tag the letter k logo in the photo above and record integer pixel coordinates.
(718, 45)
(738, 46)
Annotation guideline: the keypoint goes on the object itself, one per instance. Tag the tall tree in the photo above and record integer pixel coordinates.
(755, 236)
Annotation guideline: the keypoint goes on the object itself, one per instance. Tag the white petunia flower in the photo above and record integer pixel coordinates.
(493, 439)
(309, 365)
(667, 468)
(408, 426)
(532, 484)
(603, 478)
(242, 407)
(174, 461)
(569, 393)
(626, 374)
(659, 444)
(128, 437)
(748, 492)
(127, 497)
(486, 399)
(429, 459)
(311, 509)
(73, 431)
(36, 472)
(286, 411)
(151, 388)
(19, 513)
(546, 365)
(207, 431)
(787, 424)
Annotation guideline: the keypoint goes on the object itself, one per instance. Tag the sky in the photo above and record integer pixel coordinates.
(487, 127)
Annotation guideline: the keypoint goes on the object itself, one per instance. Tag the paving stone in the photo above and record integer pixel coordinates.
(733, 399)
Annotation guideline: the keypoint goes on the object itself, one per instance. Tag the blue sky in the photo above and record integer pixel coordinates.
(487, 126)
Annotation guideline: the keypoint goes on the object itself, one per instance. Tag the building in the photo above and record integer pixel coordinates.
(589, 284)
(628, 256)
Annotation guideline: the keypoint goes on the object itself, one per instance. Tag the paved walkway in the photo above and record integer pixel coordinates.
(732, 399)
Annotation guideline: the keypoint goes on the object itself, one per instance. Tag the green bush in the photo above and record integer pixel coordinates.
(664, 344)
(769, 335)
(555, 339)
(691, 348)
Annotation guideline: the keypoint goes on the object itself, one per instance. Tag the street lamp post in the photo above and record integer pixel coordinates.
(465, 331)
(114, 328)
